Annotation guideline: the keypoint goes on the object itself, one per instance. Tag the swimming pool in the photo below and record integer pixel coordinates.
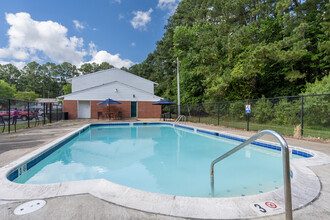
(305, 184)
(162, 159)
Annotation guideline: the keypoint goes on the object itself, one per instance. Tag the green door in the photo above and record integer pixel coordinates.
(133, 109)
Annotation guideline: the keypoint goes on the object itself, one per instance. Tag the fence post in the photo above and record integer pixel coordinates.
(28, 117)
(302, 116)
(9, 116)
(247, 119)
(44, 113)
(50, 112)
(57, 112)
(218, 104)
(199, 113)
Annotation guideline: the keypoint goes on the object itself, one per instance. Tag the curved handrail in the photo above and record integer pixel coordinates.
(181, 117)
(286, 166)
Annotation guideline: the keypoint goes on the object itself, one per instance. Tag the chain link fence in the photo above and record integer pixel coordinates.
(305, 115)
(30, 114)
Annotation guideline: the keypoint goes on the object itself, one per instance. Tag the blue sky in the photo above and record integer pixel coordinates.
(121, 32)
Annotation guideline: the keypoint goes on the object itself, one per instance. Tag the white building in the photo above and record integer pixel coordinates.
(135, 93)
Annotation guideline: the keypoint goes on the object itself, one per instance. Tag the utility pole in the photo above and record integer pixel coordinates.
(178, 81)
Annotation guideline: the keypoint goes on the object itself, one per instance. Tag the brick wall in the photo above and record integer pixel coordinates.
(147, 110)
(71, 107)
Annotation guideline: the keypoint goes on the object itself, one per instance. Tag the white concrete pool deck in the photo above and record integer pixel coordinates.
(128, 203)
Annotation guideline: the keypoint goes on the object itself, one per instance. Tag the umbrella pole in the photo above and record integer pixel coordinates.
(109, 113)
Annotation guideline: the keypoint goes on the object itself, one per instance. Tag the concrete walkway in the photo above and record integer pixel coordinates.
(15, 145)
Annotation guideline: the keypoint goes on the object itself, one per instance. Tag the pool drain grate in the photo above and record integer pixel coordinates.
(29, 207)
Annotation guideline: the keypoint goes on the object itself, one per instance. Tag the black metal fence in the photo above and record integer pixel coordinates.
(30, 114)
(305, 115)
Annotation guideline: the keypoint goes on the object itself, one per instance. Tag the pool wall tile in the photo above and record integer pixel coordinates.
(151, 123)
(31, 163)
(296, 152)
(109, 124)
(13, 175)
(208, 132)
(185, 127)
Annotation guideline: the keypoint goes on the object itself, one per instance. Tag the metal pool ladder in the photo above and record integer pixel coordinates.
(286, 166)
(181, 118)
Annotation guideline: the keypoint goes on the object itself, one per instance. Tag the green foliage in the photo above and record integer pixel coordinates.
(26, 96)
(287, 112)
(236, 111)
(6, 91)
(319, 86)
(241, 49)
(228, 50)
(88, 68)
(67, 89)
(317, 108)
(47, 80)
(262, 111)
(317, 111)
(10, 74)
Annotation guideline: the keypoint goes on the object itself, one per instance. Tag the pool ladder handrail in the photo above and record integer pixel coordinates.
(286, 166)
(181, 118)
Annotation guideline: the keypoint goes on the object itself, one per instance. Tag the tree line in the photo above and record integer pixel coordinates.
(45, 81)
(241, 49)
(228, 50)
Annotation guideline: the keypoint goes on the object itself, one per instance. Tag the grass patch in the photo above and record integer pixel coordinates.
(309, 131)
(22, 126)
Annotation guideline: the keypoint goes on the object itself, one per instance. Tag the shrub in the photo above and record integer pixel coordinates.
(287, 112)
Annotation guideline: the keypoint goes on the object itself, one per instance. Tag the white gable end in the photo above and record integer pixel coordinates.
(115, 90)
(111, 75)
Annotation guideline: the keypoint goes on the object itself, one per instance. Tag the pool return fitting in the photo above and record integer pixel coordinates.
(286, 166)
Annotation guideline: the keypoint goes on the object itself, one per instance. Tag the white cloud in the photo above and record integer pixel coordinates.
(104, 56)
(79, 26)
(19, 64)
(27, 37)
(141, 19)
(92, 48)
(133, 44)
(120, 16)
(115, 60)
(168, 5)
(31, 40)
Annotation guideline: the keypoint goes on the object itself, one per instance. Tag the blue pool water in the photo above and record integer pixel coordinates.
(161, 159)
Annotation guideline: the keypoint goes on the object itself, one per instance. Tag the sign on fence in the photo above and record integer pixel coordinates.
(248, 109)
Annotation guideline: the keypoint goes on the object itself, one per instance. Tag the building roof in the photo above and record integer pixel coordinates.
(115, 90)
(107, 70)
(48, 100)
(111, 75)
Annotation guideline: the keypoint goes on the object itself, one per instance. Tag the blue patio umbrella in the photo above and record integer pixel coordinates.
(108, 102)
(163, 102)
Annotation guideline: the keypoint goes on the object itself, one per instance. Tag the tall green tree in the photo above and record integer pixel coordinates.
(10, 74)
(241, 49)
(6, 91)
(26, 96)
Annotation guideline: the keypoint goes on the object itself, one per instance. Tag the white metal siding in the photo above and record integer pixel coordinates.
(115, 91)
(107, 76)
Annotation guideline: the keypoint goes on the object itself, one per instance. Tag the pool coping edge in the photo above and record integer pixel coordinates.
(178, 206)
